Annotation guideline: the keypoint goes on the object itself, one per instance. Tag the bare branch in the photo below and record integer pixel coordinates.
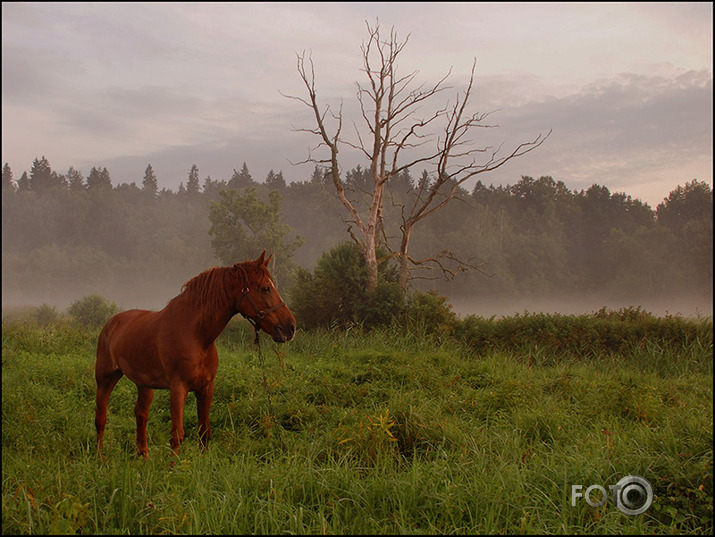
(439, 263)
(307, 74)
(468, 171)
(396, 135)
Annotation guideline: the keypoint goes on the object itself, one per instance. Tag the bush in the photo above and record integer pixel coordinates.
(382, 305)
(92, 311)
(430, 313)
(601, 333)
(46, 315)
(336, 295)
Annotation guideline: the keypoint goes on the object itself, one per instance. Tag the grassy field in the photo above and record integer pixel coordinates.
(379, 432)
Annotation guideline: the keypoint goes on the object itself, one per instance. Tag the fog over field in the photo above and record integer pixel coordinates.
(684, 306)
(156, 295)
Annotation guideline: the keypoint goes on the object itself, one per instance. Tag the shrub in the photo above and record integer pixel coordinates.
(430, 313)
(382, 305)
(603, 332)
(46, 315)
(336, 293)
(92, 311)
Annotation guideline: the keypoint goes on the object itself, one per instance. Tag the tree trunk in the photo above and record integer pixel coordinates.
(404, 260)
(372, 237)
(370, 253)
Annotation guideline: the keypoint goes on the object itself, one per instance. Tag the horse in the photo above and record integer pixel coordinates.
(175, 348)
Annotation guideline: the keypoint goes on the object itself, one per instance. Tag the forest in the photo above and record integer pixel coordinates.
(65, 236)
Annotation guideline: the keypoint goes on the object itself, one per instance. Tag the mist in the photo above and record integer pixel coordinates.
(147, 294)
(542, 246)
(685, 306)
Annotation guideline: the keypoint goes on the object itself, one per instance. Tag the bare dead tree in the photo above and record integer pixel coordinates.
(396, 140)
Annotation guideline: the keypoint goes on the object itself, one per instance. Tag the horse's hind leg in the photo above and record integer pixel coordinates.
(177, 399)
(141, 411)
(105, 385)
(203, 404)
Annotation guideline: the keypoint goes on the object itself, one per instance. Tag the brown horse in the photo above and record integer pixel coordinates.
(174, 348)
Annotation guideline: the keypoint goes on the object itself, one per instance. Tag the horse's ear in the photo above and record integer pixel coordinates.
(259, 261)
(268, 259)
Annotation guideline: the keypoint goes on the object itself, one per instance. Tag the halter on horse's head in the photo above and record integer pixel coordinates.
(280, 327)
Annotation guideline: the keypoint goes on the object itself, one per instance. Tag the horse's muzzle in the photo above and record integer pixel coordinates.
(283, 333)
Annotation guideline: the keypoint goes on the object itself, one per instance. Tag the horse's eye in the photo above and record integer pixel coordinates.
(265, 290)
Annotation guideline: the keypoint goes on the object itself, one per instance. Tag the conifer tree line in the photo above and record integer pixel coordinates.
(65, 235)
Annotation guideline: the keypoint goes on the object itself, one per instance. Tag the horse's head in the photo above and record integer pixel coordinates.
(261, 304)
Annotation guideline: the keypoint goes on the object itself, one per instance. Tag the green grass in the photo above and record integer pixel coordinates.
(380, 432)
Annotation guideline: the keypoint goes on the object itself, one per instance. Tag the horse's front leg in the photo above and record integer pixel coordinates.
(203, 404)
(177, 399)
(141, 411)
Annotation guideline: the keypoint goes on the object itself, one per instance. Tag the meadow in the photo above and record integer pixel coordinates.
(479, 428)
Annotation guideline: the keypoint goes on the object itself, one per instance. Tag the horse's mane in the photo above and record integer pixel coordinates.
(211, 290)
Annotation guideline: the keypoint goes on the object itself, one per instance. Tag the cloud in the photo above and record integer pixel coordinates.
(32, 75)
(618, 131)
(640, 134)
(173, 84)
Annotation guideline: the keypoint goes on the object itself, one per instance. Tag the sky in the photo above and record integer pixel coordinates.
(625, 88)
